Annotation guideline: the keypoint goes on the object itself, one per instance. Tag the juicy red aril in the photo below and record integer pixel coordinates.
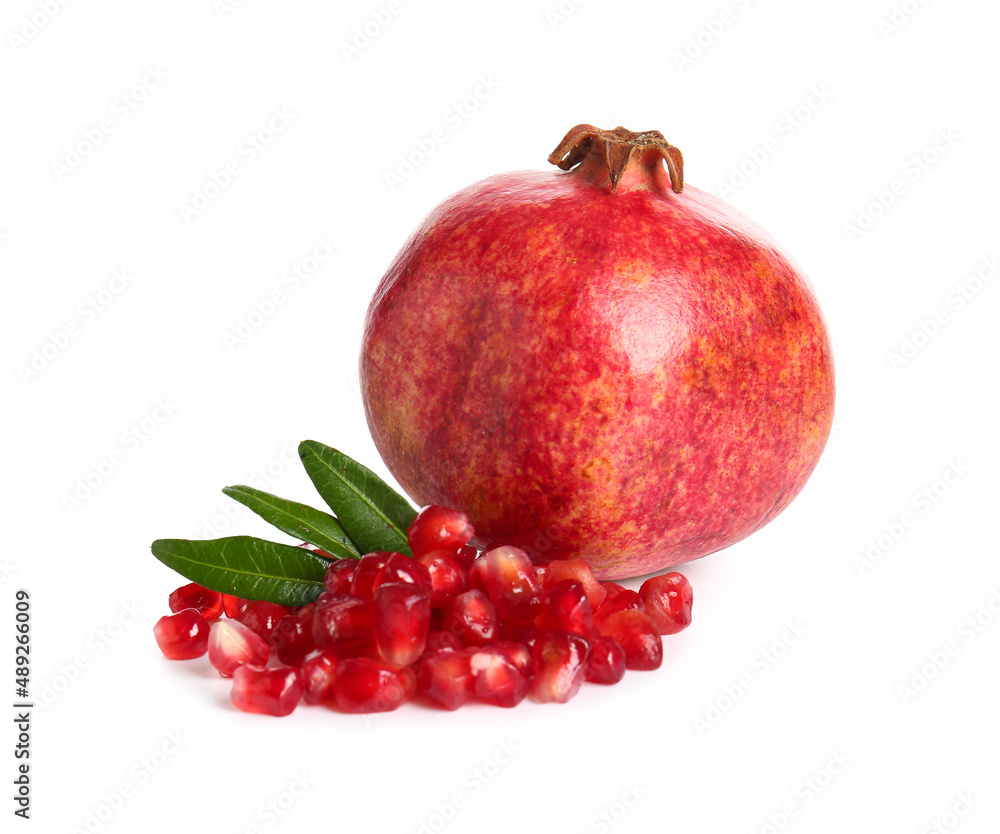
(446, 678)
(366, 573)
(267, 691)
(342, 618)
(233, 605)
(339, 575)
(400, 568)
(449, 576)
(477, 573)
(624, 600)
(516, 652)
(560, 662)
(472, 617)
(438, 528)
(668, 600)
(231, 645)
(292, 639)
(511, 582)
(638, 636)
(558, 570)
(496, 679)
(607, 661)
(565, 608)
(261, 617)
(318, 674)
(206, 602)
(362, 684)
(183, 635)
(613, 589)
(441, 641)
(402, 617)
(467, 553)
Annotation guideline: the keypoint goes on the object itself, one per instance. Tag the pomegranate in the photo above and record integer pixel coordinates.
(602, 363)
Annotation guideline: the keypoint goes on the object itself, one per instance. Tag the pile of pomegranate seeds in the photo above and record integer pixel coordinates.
(449, 625)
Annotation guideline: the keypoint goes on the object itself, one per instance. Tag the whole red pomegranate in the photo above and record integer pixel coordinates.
(602, 363)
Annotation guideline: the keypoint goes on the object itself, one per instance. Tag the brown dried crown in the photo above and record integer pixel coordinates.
(619, 147)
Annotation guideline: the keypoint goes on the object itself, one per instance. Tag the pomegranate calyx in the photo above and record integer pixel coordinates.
(618, 147)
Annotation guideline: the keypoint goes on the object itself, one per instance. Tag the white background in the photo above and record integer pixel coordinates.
(825, 106)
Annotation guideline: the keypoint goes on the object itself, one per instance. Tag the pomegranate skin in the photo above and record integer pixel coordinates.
(627, 375)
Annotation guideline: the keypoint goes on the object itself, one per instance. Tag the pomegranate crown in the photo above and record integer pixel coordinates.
(619, 146)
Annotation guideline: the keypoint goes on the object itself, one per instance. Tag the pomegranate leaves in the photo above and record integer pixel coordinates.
(374, 515)
(298, 520)
(247, 567)
(370, 517)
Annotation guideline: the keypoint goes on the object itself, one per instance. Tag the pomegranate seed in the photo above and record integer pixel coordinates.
(496, 679)
(446, 678)
(668, 600)
(472, 617)
(231, 645)
(449, 576)
(438, 528)
(477, 573)
(638, 636)
(613, 589)
(342, 618)
(467, 553)
(624, 600)
(267, 691)
(518, 631)
(233, 605)
(261, 617)
(292, 639)
(365, 685)
(367, 572)
(318, 673)
(517, 653)
(206, 602)
(607, 661)
(183, 635)
(400, 568)
(402, 617)
(511, 582)
(565, 608)
(441, 641)
(560, 662)
(340, 575)
(558, 570)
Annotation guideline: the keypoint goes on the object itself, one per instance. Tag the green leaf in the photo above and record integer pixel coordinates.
(299, 520)
(375, 516)
(247, 567)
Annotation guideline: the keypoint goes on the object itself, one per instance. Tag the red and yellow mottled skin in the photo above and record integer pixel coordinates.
(629, 375)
